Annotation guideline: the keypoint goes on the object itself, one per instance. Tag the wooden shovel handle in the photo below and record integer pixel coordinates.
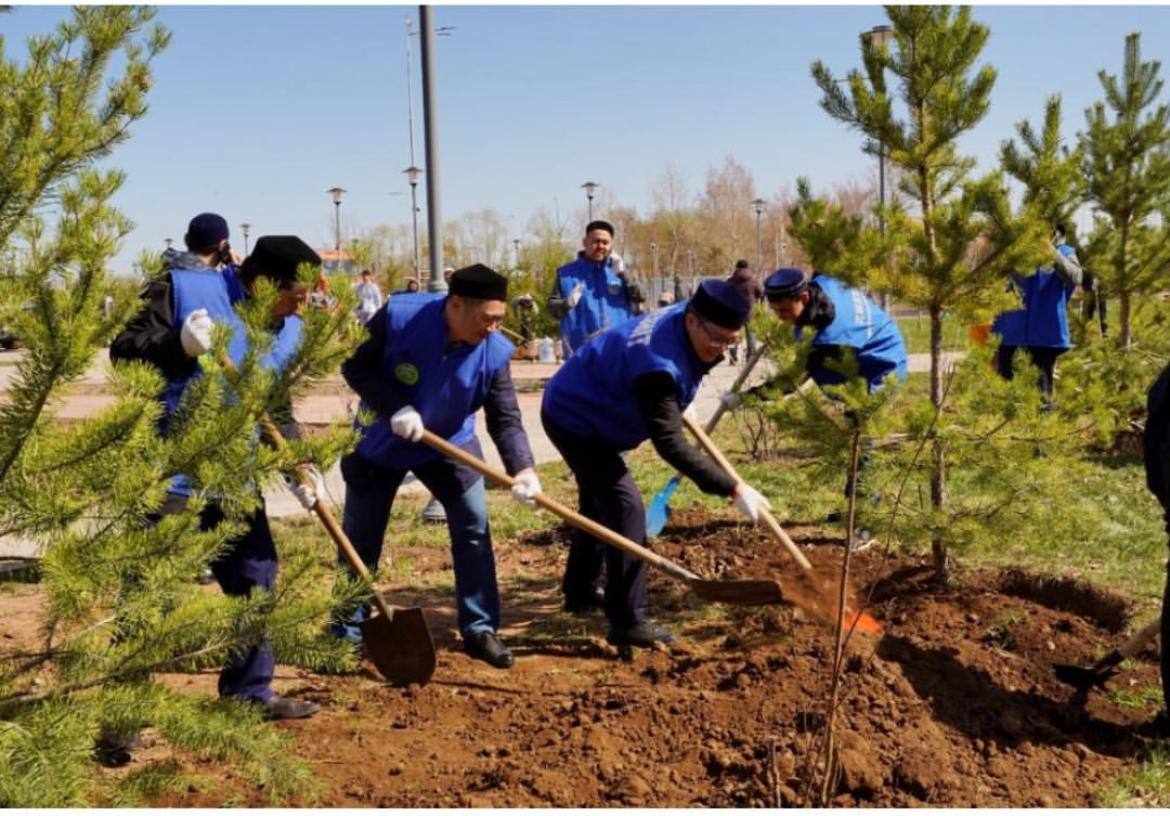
(553, 506)
(765, 513)
(1139, 639)
(322, 511)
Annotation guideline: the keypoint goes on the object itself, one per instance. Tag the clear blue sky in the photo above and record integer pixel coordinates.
(257, 110)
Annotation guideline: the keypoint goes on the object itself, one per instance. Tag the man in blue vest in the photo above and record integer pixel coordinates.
(624, 386)
(592, 293)
(842, 319)
(432, 361)
(173, 329)
(1041, 325)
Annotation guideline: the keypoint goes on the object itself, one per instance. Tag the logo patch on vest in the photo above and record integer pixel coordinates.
(406, 373)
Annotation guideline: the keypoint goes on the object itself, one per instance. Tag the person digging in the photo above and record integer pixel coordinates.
(431, 362)
(1156, 454)
(841, 318)
(172, 331)
(626, 385)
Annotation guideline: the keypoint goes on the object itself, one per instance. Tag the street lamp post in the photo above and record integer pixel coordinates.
(337, 193)
(759, 203)
(168, 242)
(590, 187)
(412, 174)
(516, 253)
(245, 227)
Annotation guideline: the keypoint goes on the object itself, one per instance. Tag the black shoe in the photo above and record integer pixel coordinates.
(643, 633)
(835, 517)
(587, 605)
(1157, 728)
(113, 750)
(285, 708)
(486, 646)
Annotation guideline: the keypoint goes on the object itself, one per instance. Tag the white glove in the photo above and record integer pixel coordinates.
(749, 501)
(526, 487)
(575, 296)
(308, 492)
(731, 399)
(617, 264)
(195, 335)
(407, 423)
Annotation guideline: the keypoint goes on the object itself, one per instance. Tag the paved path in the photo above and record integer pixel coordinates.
(335, 403)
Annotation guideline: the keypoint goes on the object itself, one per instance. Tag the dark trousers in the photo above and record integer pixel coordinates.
(369, 495)
(250, 563)
(1043, 358)
(606, 494)
(1164, 636)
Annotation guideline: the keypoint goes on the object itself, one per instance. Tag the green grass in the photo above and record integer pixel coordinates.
(916, 333)
(1145, 786)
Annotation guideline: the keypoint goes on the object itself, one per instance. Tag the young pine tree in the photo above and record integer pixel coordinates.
(120, 601)
(1126, 166)
(954, 253)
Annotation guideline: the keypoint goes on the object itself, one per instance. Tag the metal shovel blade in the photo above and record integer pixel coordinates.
(400, 647)
(1081, 678)
(754, 592)
(658, 513)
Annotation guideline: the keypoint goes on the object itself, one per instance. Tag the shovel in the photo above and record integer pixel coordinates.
(658, 513)
(861, 620)
(397, 641)
(743, 593)
(1085, 679)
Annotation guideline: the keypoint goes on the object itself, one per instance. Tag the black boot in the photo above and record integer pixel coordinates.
(285, 708)
(587, 605)
(486, 646)
(643, 633)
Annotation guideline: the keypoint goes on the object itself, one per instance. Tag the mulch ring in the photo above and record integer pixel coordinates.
(955, 704)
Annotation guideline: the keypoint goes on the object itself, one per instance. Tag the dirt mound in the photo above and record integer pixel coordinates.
(955, 705)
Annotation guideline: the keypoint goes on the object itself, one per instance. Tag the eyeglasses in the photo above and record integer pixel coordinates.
(715, 339)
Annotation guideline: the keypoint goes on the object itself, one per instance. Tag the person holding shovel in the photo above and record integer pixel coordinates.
(624, 386)
(841, 318)
(1156, 451)
(431, 362)
(173, 329)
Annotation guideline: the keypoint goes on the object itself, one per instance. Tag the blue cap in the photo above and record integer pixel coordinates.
(785, 282)
(722, 303)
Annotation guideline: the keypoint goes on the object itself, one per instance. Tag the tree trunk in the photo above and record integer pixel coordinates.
(938, 476)
(1123, 338)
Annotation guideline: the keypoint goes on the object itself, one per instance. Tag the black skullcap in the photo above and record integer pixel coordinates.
(722, 303)
(599, 224)
(479, 281)
(277, 257)
(205, 231)
(785, 282)
(741, 264)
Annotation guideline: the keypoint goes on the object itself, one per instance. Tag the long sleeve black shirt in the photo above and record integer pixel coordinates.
(658, 402)
(152, 337)
(366, 376)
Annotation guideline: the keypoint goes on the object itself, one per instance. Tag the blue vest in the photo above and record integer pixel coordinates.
(193, 289)
(603, 303)
(592, 394)
(446, 388)
(1043, 320)
(860, 324)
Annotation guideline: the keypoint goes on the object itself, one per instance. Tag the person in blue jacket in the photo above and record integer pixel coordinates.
(624, 386)
(171, 331)
(592, 293)
(431, 362)
(1040, 326)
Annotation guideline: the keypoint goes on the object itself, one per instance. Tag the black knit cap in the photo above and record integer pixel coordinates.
(601, 225)
(277, 257)
(479, 281)
(785, 282)
(742, 264)
(722, 303)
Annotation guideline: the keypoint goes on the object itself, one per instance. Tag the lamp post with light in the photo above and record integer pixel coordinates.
(590, 187)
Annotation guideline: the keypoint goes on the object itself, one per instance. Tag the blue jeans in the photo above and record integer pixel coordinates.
(370, 491)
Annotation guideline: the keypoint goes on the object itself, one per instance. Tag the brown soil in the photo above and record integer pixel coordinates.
(955, 705)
